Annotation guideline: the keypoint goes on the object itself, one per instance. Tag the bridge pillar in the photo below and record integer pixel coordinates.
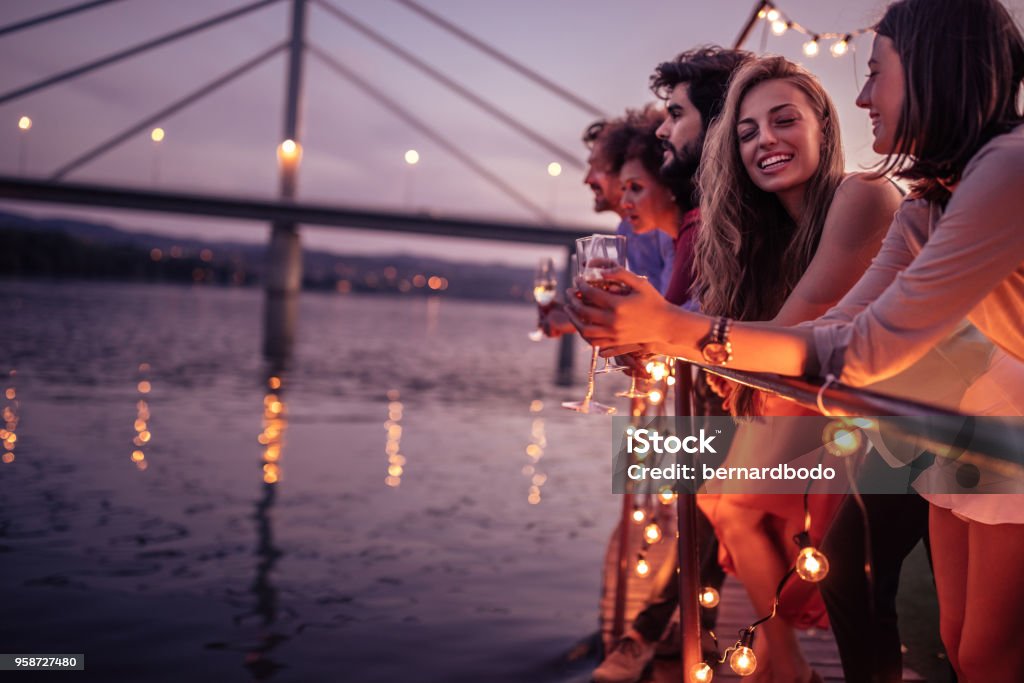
(284, 253)
(563, 375)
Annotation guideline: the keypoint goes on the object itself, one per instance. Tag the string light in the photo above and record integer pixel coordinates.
(709, 597)
(701, 673)
(841, 46)
(841, 438)
(25, 123)
(743, 661)
(639, 515)
(780, 23)
(652, 533)
(642, 568)
(811, 565)
(554, 169)
(667, 497)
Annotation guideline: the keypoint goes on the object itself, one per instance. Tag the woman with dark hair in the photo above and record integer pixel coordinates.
(942, 94)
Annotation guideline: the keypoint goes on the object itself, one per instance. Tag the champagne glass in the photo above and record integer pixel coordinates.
(594, 256)
(634, 390)
(545, 283)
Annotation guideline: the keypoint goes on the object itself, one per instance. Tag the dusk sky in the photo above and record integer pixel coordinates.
(225, 144)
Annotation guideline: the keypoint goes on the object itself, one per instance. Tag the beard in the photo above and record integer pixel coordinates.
(679, 172)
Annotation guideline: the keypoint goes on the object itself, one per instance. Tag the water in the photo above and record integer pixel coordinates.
(194, 568)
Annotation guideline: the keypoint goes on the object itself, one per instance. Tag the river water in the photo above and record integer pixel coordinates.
(172, 517)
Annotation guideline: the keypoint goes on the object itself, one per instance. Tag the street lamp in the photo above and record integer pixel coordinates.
(157, 136)
(24, 125)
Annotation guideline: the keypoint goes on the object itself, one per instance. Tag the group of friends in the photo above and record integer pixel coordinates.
(750, 247)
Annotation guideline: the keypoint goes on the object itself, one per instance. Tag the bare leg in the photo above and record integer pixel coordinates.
(949, 536)
(990, 647)
(760, 564)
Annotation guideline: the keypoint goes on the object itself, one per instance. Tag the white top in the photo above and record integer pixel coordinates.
(934, 269)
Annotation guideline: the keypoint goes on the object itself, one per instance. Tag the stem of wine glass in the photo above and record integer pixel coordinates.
(590, 377)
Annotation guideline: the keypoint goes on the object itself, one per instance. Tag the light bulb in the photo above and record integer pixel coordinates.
(289, 152)
(841, 439)
(554, 169)
(658, 370)
(24, 123)
(779, 27)
(709, 597)
(642, 567)
(638, 515)
(654, 397)
(157, 135)
(811, 565)
(652, 533)
(743, 661)
(773, 15)
(667, 497)
(839, 48)
(811, 47)
(412, 157)
(701, 673)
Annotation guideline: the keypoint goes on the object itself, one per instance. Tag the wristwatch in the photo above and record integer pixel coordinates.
(715, 346)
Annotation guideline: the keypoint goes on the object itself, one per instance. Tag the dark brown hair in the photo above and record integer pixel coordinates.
(963, 62)
(706, 71)
(626, 137)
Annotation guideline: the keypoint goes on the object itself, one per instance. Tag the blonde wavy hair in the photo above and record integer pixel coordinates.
(750, 253)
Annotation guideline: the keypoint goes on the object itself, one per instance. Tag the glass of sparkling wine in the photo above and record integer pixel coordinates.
(594, 256)
(545, 283)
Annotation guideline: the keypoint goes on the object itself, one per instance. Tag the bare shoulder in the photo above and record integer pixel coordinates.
(869, 189)
(862, 210)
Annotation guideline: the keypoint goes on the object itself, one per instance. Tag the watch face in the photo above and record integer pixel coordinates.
(717, 353)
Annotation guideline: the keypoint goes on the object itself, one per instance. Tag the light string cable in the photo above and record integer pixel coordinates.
(779, 22)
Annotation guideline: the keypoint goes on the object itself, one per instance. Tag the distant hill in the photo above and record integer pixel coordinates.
(66, 248)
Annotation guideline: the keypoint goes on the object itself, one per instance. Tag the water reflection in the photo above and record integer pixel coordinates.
(535, 451)
(265, 607)
(143, 435)
(9, 434)
(392, 446)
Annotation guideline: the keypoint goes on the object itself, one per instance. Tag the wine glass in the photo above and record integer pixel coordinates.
(594, 256)
(545, 283)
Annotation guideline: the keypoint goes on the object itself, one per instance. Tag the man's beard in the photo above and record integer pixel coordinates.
(680, 172)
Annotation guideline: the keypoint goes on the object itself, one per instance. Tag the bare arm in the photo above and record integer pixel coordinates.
(858, 218)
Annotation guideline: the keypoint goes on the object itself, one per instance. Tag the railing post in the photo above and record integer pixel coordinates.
(284, 254)
(689, 553)
(563, 375)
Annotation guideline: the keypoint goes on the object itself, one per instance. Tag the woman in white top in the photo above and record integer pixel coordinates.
(942, 94)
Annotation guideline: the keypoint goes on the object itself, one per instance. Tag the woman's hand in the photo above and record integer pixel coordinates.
(633, 316)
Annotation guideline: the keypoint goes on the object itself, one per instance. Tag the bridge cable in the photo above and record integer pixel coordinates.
(504, 59)
(173, 108)
(44, 18)
(464, 92)
(132, 51)
(439, 139)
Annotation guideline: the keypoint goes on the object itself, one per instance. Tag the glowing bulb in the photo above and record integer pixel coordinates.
(642, 567)
(762, 14)
(658, 371)
(811, 47)
(654, 397)
(840, 439)
(666, 497)
(779, 27)
(289, 152)
(638, 515)
(709, 597)
(839, 48)
(811, 565)
(24, 123)
(701, 673)
(743, 661)
(412, 157)
(773, 15)
(157, 135)
(652, 532)
(554, 169)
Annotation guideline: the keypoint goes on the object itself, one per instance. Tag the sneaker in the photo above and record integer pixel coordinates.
(626, 663)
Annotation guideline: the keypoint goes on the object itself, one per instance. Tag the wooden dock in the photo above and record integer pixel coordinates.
(735, 612)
